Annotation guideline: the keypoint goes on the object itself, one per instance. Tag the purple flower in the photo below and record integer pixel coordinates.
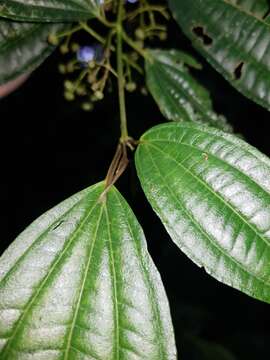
(85, 54)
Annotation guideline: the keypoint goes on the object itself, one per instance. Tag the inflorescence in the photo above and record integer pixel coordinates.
(89, 68)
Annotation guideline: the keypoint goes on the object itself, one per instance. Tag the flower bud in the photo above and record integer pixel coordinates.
(87, 106)
(53, 39)
(99, 95)
(131, 86)
(64, 49)
(139, 33)
(69, 96)
(68, 85)
(74, 47)
(62, 68)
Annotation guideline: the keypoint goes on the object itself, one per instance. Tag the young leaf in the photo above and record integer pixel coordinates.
(211, 190)
(23, 47)
(79, 284)
(49, 10)
(179, 96)
(234, 41)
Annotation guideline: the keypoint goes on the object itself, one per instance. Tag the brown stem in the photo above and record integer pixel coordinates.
(118, 165)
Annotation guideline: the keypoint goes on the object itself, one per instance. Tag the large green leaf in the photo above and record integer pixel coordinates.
(234, 40)
(23, 47)
(211, 190)
(79, 284)
(49, 10)
(179, 96)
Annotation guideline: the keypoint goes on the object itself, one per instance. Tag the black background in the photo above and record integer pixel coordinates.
(51, 149)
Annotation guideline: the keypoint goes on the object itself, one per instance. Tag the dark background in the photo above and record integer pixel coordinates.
(52, 149)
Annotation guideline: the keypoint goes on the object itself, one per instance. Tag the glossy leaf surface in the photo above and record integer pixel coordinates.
(79, 284)
(234, 40)
(212, 193)
(49, 10)
(23, 47)
(259, 8)
(178, 95)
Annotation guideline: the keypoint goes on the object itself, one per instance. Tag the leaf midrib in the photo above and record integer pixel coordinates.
(265, 190)
(115, 289)
(215, 194)
(213, 242)
(243, 11)
(79, 300)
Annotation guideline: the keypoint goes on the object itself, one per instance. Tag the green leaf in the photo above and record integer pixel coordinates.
(178, 95)
(23, 47)
(259, 8)
(79, 284)
(49, 10)
(234, 41)
(211, 190)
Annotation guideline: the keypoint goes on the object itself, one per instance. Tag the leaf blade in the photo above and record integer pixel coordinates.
(23, 47)
(212, 193)
(94, 291)
(240, 53)
(49, 11)
(184, 98)
(259, 8)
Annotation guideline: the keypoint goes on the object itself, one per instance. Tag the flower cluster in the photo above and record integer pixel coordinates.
(89, 67)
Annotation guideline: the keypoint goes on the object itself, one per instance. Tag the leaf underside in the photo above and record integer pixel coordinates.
(179, 96)
(49, 10)
(212, 193)
(23, 47)
(79, 284)
(234, 36)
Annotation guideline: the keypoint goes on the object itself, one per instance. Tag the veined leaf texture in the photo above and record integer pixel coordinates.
(211, 191)
(79, 284)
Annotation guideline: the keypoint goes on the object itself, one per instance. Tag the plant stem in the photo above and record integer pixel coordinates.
(120, 72)
(150, 9)
(69, 32)
(133, 64)
(93, 33)
(105, 22)
(133, 45)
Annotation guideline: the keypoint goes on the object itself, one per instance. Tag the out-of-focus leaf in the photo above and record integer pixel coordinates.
(49, 10)
(23, 47)
(178, 95)
(233, 39)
